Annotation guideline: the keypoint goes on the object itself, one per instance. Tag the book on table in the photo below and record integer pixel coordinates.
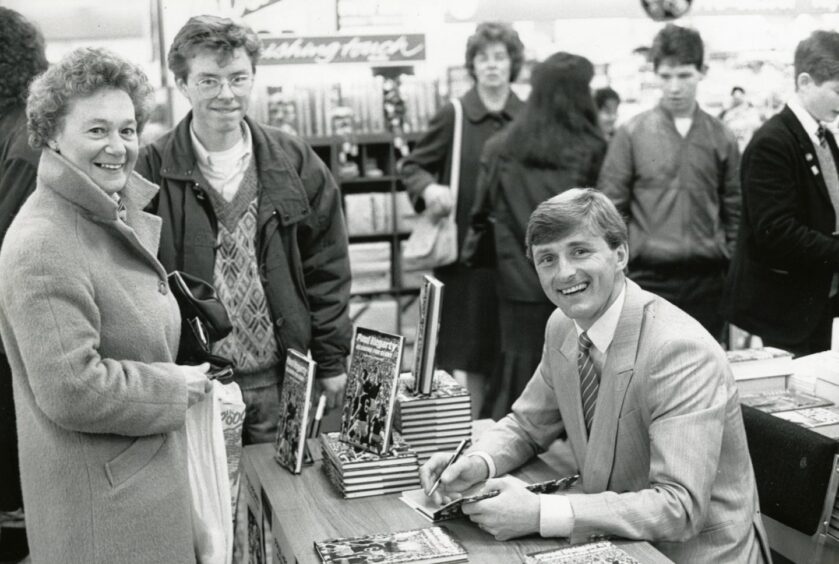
(428, 327)
(432, 545)
(761, 369)
(372, 382)
(823, 419)
(787, 400)
(295, 403)
(603, 552)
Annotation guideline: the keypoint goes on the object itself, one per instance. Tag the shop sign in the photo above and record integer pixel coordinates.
(294, 50)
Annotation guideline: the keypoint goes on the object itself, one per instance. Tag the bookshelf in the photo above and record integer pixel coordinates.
(379, 219)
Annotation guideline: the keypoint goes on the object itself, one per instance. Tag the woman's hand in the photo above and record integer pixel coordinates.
(438, 200)
(197, 383)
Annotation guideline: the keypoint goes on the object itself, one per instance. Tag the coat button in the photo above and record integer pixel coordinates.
(163, 287)
(278, 322)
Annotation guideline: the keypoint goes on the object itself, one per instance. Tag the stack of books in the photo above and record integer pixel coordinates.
(434, 422)
(789, 400)
(597, 552)
(765, 369)
(418, 546)
(358, 473)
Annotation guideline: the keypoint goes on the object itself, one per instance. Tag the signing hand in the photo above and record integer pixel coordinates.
(438, 200)
(512, 513)
(333, 387)
(197, 383)
(463, 474)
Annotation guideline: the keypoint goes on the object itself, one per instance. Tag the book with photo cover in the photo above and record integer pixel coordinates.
(295, 402)
(428, 327)
(603, 552)
(421, 546)
(372, 382)
(347, 457)
(825, 418)
(788, 400)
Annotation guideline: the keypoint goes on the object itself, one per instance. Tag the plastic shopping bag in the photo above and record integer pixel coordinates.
(209, 482)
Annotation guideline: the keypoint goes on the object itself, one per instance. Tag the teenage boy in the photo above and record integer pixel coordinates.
(672, 171)
(783, 280)
(645, 395)
(256, 212)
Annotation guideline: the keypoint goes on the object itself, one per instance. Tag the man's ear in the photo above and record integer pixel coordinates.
(704, 70)
(623, 255)
(181, 84)
(804, 80)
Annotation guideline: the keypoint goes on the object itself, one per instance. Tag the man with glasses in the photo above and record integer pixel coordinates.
(258, 214)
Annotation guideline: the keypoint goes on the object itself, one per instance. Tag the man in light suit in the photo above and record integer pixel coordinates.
(787, 257)
(645, 395)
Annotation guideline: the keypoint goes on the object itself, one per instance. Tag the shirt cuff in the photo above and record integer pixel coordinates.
(488, 459)
(556, 517)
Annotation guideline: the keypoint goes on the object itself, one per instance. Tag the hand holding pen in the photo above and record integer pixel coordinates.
(443, 477)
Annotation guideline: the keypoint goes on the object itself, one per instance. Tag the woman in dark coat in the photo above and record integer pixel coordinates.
(22, 58)
(469, 333)
(553, 145)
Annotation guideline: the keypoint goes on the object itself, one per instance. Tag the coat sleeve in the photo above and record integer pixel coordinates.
(771, 199)
(616, 176)
(17, 182)
(428, 161)
(52, 321)
(730, 195)
(326, 268)
(687, 399)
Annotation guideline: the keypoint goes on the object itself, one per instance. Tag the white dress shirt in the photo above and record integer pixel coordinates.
(808, 122)
(224, 170)
(556, 518)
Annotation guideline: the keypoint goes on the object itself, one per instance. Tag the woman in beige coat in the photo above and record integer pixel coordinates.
(91, 331)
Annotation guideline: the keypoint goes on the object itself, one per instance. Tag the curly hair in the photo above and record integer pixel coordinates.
(495, 32)
(681, 45)
(211, 32)
(79, 74)
(22, 57)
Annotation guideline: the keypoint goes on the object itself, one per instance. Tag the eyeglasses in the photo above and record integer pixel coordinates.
(210, 87)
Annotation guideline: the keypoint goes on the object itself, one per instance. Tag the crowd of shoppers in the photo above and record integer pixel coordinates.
(90, 328)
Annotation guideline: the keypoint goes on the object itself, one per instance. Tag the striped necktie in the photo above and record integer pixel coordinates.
(589, 379)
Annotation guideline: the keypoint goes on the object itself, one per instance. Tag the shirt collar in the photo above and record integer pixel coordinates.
(238, 152)
(808, 122)
(602, 331)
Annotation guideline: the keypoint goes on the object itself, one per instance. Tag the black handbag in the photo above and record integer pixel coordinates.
(204, 321)
(478, 249)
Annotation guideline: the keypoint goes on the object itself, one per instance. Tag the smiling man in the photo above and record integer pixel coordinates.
(255, 212)
(783, 283)
(672, 171)
(645, 395)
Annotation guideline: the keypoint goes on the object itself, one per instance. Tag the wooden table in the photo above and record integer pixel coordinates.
(303, 508)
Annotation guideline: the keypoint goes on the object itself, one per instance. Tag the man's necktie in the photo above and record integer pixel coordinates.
(821, 133)
(589, 379)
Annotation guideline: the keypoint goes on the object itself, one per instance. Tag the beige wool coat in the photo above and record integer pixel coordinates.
(91, 331)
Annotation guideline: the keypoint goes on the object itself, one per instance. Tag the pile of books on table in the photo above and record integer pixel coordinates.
(434, 422)
(807, 410)
(763, 369)
(359, 473)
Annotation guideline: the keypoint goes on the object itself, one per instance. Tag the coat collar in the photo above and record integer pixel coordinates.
(71, 183)
(140, 229)
(273, 169)
(595, 454)
(475, 111)
(805, 143)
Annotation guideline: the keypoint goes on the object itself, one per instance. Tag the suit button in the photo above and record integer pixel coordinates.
(163, 287)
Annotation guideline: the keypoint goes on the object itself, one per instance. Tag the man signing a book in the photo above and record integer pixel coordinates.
(645, 395)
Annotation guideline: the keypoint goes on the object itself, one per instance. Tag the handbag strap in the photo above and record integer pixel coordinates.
(454, 181)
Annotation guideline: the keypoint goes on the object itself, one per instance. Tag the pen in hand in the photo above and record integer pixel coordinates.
(451, 461)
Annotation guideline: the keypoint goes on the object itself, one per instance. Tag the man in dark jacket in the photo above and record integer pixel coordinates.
(258, 214)
(784, 279)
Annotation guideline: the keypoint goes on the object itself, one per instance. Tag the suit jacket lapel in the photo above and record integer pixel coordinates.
(614, 381)
(567, 381)
(807, 148)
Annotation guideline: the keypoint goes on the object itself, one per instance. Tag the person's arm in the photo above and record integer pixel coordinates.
(687, 398)
(616, 176)
(771, 200)
(323, 245)
(731, 199)
(426, 164)
(53, 322)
